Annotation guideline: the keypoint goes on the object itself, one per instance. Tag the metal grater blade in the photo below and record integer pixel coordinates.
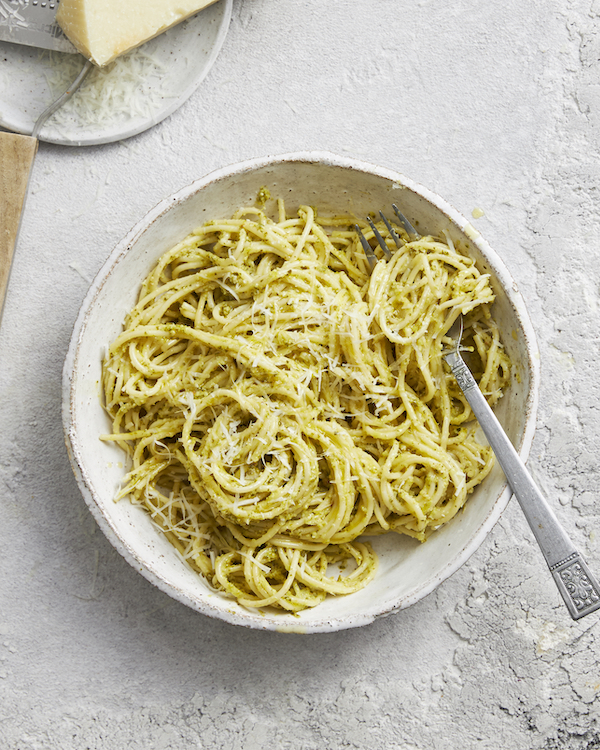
(32, 22)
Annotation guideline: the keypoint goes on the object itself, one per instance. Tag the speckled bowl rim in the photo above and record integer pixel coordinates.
(251, 619)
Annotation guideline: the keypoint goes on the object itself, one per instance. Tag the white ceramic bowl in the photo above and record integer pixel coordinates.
(408, 571)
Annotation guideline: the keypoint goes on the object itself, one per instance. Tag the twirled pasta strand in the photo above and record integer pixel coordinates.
(279, 402)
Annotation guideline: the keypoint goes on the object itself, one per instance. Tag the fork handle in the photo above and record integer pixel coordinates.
(576, 583)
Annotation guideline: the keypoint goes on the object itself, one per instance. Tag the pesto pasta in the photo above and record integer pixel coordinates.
(280, 403)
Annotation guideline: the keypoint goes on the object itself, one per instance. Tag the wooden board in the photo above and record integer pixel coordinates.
(17, 153)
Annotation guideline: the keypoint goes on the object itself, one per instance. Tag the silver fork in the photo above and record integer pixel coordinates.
(406, 225)
(577, 585)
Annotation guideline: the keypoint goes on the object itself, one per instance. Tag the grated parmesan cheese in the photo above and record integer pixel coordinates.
(127, 89)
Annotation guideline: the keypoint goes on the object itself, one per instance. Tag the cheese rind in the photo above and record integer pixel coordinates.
(104, 29)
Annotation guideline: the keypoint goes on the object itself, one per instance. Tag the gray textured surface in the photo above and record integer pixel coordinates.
(492, 105)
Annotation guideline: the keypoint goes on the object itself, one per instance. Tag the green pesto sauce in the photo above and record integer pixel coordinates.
(263, 196)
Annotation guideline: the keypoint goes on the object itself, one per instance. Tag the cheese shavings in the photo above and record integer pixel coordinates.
(280, 403)
(129, 88)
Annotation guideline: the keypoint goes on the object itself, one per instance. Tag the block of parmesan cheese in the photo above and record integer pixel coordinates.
(104, 29)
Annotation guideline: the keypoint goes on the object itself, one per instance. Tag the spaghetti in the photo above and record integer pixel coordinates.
(279, 402)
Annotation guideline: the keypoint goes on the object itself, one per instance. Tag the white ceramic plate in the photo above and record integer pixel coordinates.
(408, 571)
(168, 68)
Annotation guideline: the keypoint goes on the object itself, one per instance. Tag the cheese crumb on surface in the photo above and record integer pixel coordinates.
(104, 29)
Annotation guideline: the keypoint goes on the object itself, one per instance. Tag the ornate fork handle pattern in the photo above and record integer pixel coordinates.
(576, 583)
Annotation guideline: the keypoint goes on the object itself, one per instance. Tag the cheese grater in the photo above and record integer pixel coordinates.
(33, 23)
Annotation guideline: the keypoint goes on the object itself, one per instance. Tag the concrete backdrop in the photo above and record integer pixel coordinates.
(493, 106)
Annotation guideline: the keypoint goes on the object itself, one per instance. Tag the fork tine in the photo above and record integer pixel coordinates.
(408, 227)
(371, 257)
(391, 230)
(379, 238)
